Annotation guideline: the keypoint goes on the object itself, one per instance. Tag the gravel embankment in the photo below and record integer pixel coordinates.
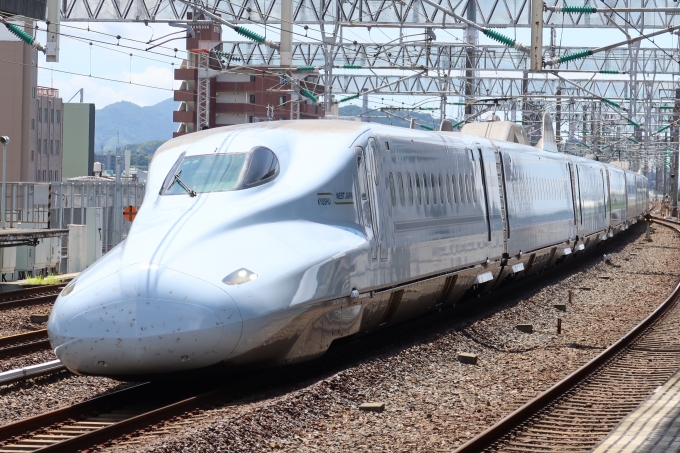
(14, 321)
(433, 402)
(25, 399)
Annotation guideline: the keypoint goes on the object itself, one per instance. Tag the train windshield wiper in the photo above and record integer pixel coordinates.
(177, 179)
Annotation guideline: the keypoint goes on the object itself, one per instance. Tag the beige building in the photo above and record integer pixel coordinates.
(30, 115)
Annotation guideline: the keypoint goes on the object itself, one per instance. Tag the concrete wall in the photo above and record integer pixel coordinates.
(49, 125)
(18, 79)
(79, 122)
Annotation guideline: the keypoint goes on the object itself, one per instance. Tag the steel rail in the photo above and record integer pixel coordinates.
(30, 296)
(123, 412)
(505, 426)
(23, 343)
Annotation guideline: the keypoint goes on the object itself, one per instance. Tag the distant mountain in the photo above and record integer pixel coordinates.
(135, 124)
(377, 116)
(139, 126)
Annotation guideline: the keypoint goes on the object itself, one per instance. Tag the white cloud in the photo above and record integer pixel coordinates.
(103, 92)
(79, 60)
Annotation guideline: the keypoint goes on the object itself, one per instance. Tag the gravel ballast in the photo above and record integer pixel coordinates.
(14, 321)
(432, 401)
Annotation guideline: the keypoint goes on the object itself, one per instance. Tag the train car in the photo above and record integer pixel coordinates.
(264, 243)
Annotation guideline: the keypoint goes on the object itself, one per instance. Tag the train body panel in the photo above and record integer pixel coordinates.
(591, 197)
(617, 194)
(539, 197)
(278, 238)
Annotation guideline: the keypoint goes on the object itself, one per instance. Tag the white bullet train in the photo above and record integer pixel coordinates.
(263, 243)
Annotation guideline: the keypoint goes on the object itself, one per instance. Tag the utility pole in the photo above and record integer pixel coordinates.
(470, 60)
(674, 150)
(364, 108)
(286, 33)
(5, 140)
(536, 47)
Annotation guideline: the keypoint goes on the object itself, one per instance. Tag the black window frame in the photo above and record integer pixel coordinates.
(242, 184)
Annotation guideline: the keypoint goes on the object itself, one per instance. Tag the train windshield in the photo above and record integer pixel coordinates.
(221, 172)
(209, 173)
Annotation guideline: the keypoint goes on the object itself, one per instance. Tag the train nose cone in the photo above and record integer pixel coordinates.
(144, 319)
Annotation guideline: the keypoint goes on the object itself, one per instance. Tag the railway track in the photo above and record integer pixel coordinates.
(579, 411)
(30, 296)
(24, 343)
(125, 414)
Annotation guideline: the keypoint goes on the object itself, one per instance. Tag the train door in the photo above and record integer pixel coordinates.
(374, 192)
(365, 201)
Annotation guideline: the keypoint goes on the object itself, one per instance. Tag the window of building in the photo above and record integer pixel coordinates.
(44, 175)
(33, 93)
(50, 175)
(32, 124)
(32, 156)
(251, 98)
(393, 195)
(39, 146)
(56, 148)
(316, 109)
(56, 175)
(52, 116)
(282, 99)
(45, 119)
(454, 188)
(45, 146)
(461, 186)
(52, 147)
(252, 78)
(58, 116)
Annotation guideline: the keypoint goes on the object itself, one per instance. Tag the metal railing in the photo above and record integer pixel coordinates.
(58, 204)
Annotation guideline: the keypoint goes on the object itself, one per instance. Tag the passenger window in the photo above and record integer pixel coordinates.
(448, 187)
(409, 184)
(400, 180)
(264, 166)
(468, 189)
(393, 196)
(474, 189)
(372, 151)
(441, 190)
(418, 194)
(434, 188)
(425, 189)
(462, 188)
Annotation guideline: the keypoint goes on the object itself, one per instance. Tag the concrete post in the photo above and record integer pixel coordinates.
(536, 49)
(364, 108)
(470, 60)
(286, 33)
(674, 161)
(5, 140)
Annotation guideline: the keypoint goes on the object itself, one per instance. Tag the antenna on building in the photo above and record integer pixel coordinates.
(82, 92)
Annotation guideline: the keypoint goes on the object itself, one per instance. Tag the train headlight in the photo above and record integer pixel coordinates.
(67, 290)
(239, 277)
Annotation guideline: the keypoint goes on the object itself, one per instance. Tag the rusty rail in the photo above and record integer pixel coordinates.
(530, 409)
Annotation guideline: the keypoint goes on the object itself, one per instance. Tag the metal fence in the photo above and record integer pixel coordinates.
(58, 204)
